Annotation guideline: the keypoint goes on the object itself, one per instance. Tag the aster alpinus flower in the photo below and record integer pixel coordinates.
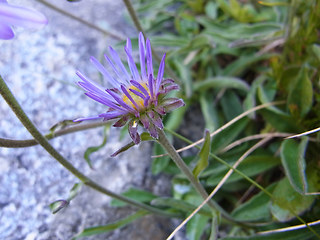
(19, 16)
(134, 98)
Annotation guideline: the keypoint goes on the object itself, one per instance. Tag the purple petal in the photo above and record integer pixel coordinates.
(124, 79)
(156, 120)
(6, 32)
(110, 115)
(19, 16)
(119, 63)
(90, 86)
(87, 118)
(139, 94)
(150, 83)
(140, 87)
(146, 101)
(149, 58)
(132, 65)
(160, 73)
(133, 132)
(104, 72)
(142, 56)
(120, 101)
(106, 102)
(124, 90)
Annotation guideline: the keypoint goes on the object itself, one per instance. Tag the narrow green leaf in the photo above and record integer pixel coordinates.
(180, 205)
(229, 134)
(300, 96)
(112, 226)
(58, 205)
(292, 158)
(91, 150)
(209, 111)
(203, 155)
(221, 82)
(74, 191)
(196, 226)
(134, 194)
(231, 105)
(214, 227)
(251, 166)
(257, 208)
(287, 198)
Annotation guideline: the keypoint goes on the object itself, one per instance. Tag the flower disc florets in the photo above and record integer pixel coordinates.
(135, 98)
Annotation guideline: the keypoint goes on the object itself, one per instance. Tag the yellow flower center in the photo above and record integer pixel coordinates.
(136, 98)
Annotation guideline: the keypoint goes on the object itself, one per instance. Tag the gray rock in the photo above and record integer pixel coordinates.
(39, 67)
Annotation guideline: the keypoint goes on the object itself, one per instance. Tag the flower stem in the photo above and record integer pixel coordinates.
(24, 119)
(163, 140)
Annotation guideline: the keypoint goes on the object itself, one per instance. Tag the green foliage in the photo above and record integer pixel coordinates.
(230, 56)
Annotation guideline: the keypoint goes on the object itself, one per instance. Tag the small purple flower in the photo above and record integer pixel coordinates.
(134, 98)
(19, 16)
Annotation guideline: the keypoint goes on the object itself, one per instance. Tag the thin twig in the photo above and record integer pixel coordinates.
(80, 20)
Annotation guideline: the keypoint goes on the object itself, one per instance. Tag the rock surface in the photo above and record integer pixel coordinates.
(39, 67)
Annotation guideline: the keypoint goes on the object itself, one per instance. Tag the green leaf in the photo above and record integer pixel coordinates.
(74, 191)
(257, 208)
(58, 205)
(112, 226)
(229, 134)
(203, 155)
(209, 111)
(243, 63)
(221, 82)
(214, 227)
(292, 158)
(300, 97)
(251, 166)
(231, 105)
(287, 198)
(134, 194)
(196, 226)
(91, 150)
(180, 205)
(185, 76)
(122, 149)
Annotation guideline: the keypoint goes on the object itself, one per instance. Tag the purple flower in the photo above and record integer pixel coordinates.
(19, 16)
(134, 98)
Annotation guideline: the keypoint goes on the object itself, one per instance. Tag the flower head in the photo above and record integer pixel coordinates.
(19, 16)
(134, 98)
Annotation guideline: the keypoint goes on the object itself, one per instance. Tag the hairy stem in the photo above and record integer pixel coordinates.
(24, 119)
